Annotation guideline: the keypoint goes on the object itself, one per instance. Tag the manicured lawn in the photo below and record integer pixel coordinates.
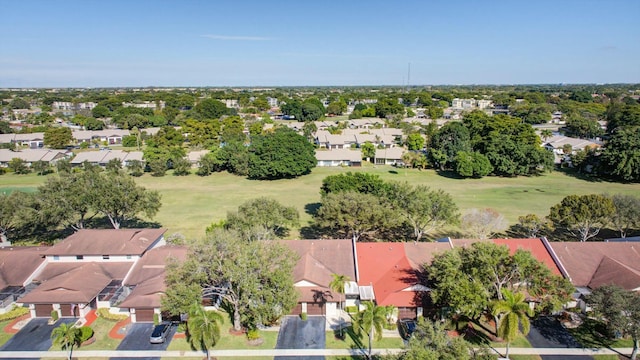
(229, 341)
(101, 328)
(593, 334)
(191, 203)
(4, 337)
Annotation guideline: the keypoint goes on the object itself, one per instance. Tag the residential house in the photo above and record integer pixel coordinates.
(85, 271)
(557, 144)
(30, 140)
(17, 267)
(109, 136)
(339, 157)
(589, 265)
(318, 261)
(29, 156)
(195, 156)
(390, 156)
(102, 157)
(145, 285)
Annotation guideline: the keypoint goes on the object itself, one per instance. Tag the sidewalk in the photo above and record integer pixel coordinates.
(287, 352)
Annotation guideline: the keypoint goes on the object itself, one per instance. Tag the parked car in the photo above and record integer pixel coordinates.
(159, 334)
(406, 328)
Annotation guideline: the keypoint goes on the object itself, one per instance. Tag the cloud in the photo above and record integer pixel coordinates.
(236, 38)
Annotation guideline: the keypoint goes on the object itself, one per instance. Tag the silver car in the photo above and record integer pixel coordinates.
(159, 334)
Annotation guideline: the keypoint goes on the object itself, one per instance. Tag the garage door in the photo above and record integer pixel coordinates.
(65, 310)
(297, 310)
(406, 313)
(44, 310)
(144, 315)
(315, 308)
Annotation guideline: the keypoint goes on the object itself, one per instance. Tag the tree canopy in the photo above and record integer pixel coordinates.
(262, 219)
(279, 155)
(253, 279)
(582, 215)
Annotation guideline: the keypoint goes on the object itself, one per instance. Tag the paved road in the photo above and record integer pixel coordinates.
(137, 338)
(298, 334)
(547, 332)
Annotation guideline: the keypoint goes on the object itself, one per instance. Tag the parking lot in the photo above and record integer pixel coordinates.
(137, 338)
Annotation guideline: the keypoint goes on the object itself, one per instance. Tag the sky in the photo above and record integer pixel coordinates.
(130, 43)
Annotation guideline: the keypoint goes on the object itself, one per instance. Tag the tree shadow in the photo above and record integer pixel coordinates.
(312, 208)
(394, 172)
(592, 334)
(314, 231)
(449, 174)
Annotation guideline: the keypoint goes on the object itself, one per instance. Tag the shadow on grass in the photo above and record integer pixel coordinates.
(312, 208)
(592, 334)
(348, 332)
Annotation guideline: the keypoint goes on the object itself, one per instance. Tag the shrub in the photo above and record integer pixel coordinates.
(303, 316)
(16, 312)
(351, 309)
(253, 334)
(85, 333)
(105, 314)
(156, 319)
(54, 315)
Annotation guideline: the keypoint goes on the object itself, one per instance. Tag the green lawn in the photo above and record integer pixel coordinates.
(191, 203)
(351, 341)
(4, 337)
(101, 328)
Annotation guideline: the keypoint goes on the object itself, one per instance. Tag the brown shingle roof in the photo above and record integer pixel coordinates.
(75, 283)
(319, 259)
(148, 277)
(107, 242)
(17, 264)
(584, 262)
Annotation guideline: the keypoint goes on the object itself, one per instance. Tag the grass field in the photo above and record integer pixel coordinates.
(191, 203)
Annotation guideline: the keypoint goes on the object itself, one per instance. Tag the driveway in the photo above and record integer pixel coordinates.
(298, 334)
(137, 338)
(34, 336)
(547, 332)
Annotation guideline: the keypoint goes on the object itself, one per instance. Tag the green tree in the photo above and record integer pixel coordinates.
(211, 109)
(280, 155)
(114, 165)
(158, 167)
(203, 328)
(100, 111)
(621, 155)
(353, 213)
(337, 107)
(583, 127)
(120, 199)
(10, 212)
(620, 310)
(181, 167)
(369, 321)
(361, 182)
(262, 219)
(452, 138)
(424, 209)
(532, 226)
(546, 134)
(18, 166)
(582, 215)
(253, 279)
(434, 112)
(368, 151)
(513, 312)
(337, 284)
(388, 106)
(69, 198)
(66, 336)
(430, 341)
(627, 213)
(234, 156)
(58, 137)
(472, 164)
(135, 167)
(41, 167)
(415, 141)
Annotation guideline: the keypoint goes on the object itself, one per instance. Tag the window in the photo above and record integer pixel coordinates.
(105, 257)
(79, 257)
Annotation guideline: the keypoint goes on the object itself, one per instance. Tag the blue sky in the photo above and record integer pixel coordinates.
(96, 43)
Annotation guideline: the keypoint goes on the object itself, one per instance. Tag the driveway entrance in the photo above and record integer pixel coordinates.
(137, 338)
(34, 336)
(298, 334)
(547, 332)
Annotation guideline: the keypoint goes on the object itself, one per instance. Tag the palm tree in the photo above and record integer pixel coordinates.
(512, 312)
(545, 134)
(370, 320)
(203, 328)
(337, 284)
(66, 336)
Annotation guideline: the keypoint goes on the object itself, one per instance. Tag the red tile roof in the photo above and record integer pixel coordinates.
(387, 268)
